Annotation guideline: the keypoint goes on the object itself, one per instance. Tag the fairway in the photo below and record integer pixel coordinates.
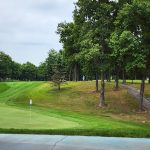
(73, 110)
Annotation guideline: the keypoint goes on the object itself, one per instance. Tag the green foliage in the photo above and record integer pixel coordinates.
(126, 51)
(5, 66)
(16, 71)
(42, 72)
(51, 63)
(135, 18)
(29, 71)
(58, 78)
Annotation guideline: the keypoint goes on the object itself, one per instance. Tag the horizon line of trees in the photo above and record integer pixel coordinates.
(11, 70)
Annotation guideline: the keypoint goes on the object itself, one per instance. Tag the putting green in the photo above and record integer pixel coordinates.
(11, 117)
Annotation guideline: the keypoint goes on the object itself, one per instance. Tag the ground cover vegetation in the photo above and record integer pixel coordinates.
(72, 111)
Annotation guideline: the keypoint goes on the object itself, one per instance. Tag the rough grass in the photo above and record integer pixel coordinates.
(72, 111)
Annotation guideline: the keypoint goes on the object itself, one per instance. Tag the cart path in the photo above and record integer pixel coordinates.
(136, 93)
(56, 142)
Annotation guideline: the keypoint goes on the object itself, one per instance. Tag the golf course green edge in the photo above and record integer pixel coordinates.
(83, 132)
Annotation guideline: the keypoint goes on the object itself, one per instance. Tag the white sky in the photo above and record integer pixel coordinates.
(27, 27)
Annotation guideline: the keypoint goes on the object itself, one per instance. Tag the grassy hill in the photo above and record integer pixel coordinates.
(73, 110)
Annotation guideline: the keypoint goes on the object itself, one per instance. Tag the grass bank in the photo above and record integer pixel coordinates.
(72, 111)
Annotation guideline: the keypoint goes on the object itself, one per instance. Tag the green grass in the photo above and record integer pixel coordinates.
(29, 119)
(72, 111)
(3, 87)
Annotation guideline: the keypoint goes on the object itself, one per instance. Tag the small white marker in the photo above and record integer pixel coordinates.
(30, 101)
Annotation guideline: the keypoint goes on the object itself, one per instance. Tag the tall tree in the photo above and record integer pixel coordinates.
(16, 71)
(68, 36)
(51, 61)
(42, 72)
(99, 16)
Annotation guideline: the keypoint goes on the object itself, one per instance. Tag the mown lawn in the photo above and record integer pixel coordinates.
(73, 110)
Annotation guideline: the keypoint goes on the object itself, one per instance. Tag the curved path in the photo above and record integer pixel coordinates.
(136, 93)
(49, 142)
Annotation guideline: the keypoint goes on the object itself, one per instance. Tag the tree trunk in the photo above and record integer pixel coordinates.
(135, 77)
(76, 73)
(70, 74)
(149, 79)
(96, 82)
(132, 77)
(102, 92)
(117, 81)
(142, 93)
(108, 76)
(123, 77)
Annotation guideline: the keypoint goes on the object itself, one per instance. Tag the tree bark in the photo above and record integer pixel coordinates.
(96, 82)
(117, 81)
(70, 74)
(142, 94)
(123, 77)
(76, 73)
(108, 76)
(102, 92)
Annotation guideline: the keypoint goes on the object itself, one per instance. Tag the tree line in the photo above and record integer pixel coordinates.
(11, 70)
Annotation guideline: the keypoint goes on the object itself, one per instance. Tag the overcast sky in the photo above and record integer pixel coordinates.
(27, 27)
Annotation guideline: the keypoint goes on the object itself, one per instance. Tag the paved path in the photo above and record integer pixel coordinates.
(50, 142)
(136, 93)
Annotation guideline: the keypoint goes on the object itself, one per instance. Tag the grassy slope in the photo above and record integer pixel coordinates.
(73, 110)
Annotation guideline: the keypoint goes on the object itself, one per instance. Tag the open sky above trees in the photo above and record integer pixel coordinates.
(28, 27)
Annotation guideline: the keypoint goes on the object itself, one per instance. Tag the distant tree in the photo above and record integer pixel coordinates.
(51, 62)
(59, 70)
(5, 66)
(58, 78)
(16, 71)
(42, 72)
(29, 72)
(69, 37)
